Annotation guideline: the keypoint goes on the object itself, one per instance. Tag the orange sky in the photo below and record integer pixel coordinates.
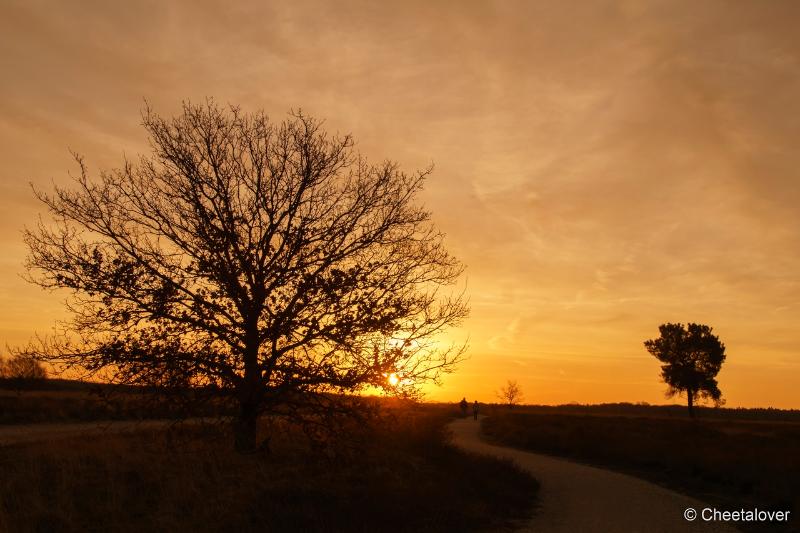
(600, 168)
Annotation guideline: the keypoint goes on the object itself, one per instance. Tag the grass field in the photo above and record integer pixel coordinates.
(730, 462)
(397, 473)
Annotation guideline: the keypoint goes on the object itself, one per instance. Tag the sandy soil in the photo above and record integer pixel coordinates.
(576, 498)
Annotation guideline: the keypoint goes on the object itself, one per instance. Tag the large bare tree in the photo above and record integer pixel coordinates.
(266, 259)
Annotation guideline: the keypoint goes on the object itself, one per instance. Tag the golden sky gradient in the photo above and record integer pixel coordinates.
(601, 167)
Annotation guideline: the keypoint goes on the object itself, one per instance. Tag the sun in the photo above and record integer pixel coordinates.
(393, 379)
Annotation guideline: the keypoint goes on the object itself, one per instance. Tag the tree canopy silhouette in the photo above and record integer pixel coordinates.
(266, 259)
(692, 358)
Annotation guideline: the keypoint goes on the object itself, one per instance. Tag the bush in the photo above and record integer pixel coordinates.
(22, 367)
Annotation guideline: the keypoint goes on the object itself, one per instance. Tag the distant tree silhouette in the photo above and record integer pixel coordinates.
(22, 367)
(510, 394)
(692, 358)
(268, 260)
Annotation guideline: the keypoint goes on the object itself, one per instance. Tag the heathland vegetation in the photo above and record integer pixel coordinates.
(33, 401)
(393, 472)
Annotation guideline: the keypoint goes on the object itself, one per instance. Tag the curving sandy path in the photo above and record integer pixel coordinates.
(576, 498)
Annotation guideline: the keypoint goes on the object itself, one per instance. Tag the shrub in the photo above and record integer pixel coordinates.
(22, 367)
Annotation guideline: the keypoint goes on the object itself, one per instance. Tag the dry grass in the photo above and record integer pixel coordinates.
(396, 474)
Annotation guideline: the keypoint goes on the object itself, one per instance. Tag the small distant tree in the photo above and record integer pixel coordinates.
(22, 367)
(692, 357)
(510, 394)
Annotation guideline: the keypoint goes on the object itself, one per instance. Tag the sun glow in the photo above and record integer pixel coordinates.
(393, 379)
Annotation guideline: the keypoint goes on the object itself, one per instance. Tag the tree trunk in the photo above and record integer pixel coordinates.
(249, 398)
(245, 428)
(690, 397)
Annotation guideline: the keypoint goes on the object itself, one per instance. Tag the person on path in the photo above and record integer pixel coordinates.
(475, 409)
(463, 407)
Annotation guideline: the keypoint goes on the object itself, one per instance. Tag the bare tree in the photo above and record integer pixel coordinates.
(510, 394)
(268, 260)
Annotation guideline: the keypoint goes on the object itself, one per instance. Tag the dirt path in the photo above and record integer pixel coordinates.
(576, 498)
